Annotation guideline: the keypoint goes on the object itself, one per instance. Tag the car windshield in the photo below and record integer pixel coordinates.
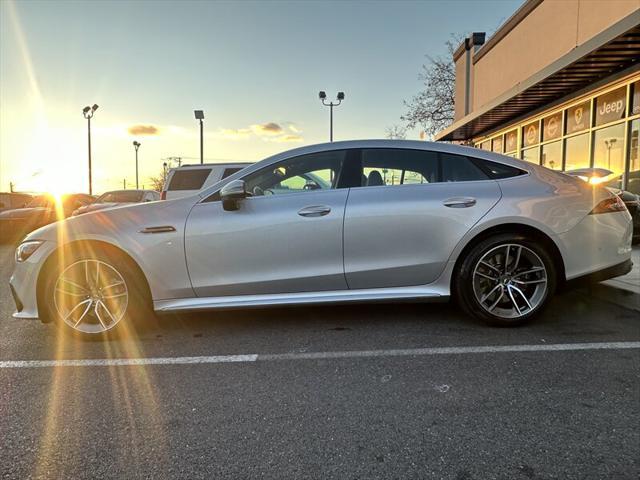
(41, 201)
(122, 196)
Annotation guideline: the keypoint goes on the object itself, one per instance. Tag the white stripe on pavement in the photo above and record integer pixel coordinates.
(106, 362)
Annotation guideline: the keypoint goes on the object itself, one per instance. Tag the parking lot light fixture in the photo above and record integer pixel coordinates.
(199, 114)
(322, 95)
(136, 146)
(88, 112)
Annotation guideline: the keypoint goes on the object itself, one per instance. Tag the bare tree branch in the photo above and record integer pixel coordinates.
(432, 108)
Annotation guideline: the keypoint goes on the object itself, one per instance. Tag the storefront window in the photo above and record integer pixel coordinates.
(635, 98)
(531, 134)
(531, 155)
(576, 152)
(511, 141)
(552, 155)
(552, 127)
(633, 179)
(496, 144)
(608, 148)
(610, 106)
(578, 117)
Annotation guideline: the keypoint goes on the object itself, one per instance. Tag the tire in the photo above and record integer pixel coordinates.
(490, 286)
(95, 293)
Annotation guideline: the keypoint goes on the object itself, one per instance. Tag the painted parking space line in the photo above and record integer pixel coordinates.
(251, 358)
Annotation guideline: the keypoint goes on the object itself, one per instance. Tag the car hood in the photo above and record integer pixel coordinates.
(99, 206)
(118, 225)
(17, 213)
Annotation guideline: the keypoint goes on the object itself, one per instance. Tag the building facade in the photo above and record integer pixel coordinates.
(558, 84)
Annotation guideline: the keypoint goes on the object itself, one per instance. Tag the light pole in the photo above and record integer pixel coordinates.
(199, 114)
(136, 145)
(88, 112)
(323, 96)
(609, 144)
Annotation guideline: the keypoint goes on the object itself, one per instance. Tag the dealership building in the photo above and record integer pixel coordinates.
(558, 84)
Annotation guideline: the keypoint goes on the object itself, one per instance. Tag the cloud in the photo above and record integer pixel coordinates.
(267, 129)
(143, 130)
(268, 132)
(287, 139)
(235, 133)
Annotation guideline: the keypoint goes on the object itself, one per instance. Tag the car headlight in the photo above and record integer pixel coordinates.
(26, 249)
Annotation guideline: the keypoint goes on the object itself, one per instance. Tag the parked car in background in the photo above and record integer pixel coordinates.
(600, 176)
(116, 198)
(349, 221)
(40, 211)
(189, 179)
(11, 200)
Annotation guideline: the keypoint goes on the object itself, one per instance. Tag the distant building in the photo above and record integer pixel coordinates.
(558, 84)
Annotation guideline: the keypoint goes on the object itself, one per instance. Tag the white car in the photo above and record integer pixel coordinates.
(355, 221)
(189, 179)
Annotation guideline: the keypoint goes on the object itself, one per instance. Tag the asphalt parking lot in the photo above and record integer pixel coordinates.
(362, 391)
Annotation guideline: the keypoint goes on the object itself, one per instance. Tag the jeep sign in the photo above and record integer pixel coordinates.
(611, 106)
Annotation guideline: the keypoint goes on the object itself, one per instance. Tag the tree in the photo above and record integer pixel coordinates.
(157, 181)
(395, 132)
(432, 108)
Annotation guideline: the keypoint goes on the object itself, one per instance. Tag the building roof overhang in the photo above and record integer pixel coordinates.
(612, 50)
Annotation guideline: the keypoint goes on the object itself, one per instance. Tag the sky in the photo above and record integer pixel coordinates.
(255, 68)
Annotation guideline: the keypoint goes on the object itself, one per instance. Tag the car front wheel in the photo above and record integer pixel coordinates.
(94, 295)
(506, 280)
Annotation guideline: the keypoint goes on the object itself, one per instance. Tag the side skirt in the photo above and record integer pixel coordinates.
(422, 294)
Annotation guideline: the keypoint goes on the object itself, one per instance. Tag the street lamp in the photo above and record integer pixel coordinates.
(136, 145)
(323, 96)
(609, 144)
(200, 116)
(88, 112)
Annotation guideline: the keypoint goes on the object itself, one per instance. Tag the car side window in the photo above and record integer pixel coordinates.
(458, 168)
(394, 166)
(315, 171)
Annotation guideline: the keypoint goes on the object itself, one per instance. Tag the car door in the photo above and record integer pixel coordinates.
(402, 225)
(284, 238)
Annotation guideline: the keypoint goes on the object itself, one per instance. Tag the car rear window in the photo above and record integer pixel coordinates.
(498, 170)
(230, 171)
(189, 179)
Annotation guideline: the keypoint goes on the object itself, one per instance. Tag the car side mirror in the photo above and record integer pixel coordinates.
(232, 193)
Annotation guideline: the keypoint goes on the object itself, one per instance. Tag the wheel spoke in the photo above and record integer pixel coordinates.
(521, 293)
(492, 267)
(488, 277)
(104, 307)
(87, 302)
(484, 297)
(96, 311)
(530, 282)
(532, 270)
(495, 304)
(513, 300)
(113, 285)
(506, 259)
(517, 261)
(73, 294)
(97, 273)
(73, 284)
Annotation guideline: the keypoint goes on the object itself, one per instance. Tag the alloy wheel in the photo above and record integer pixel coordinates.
(91, 296)
(510, 281)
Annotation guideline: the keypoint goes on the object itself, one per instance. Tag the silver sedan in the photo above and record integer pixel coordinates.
(354, 221)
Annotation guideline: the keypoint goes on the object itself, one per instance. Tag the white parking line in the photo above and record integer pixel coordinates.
(107, 362)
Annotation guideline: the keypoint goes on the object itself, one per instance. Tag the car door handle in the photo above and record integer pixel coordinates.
(459, 202)
(314, 211)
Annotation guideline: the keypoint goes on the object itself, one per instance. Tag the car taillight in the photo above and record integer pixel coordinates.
(163, 195)
(609, 205)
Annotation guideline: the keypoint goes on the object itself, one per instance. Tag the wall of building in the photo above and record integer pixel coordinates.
(551, 30)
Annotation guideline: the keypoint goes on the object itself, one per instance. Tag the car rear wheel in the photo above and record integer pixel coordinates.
(95, 295)
(506, 280)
